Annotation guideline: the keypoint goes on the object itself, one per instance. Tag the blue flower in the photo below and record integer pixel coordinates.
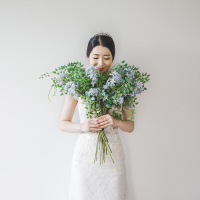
(120, 100)
(86, 93)
(130, 73)
(92, 73)
(59, 79)
(116, 78)
(105, 98)
(70, 89)
(94, 91)
(77, 84)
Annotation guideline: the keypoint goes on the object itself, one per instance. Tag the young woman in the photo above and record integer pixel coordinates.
(89, 180)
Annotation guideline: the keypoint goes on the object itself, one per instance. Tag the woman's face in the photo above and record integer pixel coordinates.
(101, 58)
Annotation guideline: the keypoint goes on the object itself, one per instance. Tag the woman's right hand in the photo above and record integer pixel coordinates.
(90, 125)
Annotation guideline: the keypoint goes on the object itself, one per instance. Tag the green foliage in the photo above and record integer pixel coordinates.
(74, 72)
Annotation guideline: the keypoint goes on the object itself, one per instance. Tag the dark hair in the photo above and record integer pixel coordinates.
(101, 40)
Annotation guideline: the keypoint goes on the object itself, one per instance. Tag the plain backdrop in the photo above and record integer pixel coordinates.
(161, 37)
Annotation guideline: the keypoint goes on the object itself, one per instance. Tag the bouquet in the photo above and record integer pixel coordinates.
(99, 92)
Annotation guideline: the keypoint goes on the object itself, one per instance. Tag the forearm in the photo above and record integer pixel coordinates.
(125, 126)
(70, 127)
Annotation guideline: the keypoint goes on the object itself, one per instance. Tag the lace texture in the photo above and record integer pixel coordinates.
(92, 181)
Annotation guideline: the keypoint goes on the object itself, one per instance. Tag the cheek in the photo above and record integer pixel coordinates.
(93, 62)
(108, 63)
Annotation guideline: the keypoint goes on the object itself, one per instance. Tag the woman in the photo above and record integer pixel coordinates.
(89, 180)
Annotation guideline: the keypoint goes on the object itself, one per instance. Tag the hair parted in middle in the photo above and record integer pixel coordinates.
(101, 40)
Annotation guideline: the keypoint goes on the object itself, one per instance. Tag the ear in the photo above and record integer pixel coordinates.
(88, 59)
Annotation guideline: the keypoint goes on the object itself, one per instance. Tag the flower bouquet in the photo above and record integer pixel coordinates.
(99, 92)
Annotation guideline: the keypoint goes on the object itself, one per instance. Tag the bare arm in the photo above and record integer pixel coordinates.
(65, 123)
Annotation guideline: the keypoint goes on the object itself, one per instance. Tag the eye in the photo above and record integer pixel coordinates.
(105, 58)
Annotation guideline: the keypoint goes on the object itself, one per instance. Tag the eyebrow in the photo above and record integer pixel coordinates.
(104, 55)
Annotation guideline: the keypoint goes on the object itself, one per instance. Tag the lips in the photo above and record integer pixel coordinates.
(100, 68)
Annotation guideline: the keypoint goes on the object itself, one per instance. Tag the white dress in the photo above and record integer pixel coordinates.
(92, 181)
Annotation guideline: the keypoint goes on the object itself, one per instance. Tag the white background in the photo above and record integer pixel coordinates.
(162, 38)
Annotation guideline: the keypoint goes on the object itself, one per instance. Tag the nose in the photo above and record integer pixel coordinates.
(100, 62)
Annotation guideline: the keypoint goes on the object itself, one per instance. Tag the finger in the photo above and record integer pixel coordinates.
(103, 118)
(99, 118)
(100, 122)
(104, 124)
(93, 125)
(93, 121)
(96, 129)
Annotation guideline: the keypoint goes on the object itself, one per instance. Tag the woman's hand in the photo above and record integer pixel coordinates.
(106, 120)
(90, 125)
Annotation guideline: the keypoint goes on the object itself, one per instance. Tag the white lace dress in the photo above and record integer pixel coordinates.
(92, 181)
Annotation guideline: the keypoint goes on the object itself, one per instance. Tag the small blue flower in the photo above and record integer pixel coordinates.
(92, 98)
(92, 73)
(105, 98)
(112, 92)
(77, 84)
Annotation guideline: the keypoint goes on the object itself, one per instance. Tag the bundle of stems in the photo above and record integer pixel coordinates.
(102, 146)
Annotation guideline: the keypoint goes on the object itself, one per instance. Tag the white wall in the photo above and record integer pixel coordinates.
(162, 38)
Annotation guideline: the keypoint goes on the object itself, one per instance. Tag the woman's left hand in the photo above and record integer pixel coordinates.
(105, 120)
